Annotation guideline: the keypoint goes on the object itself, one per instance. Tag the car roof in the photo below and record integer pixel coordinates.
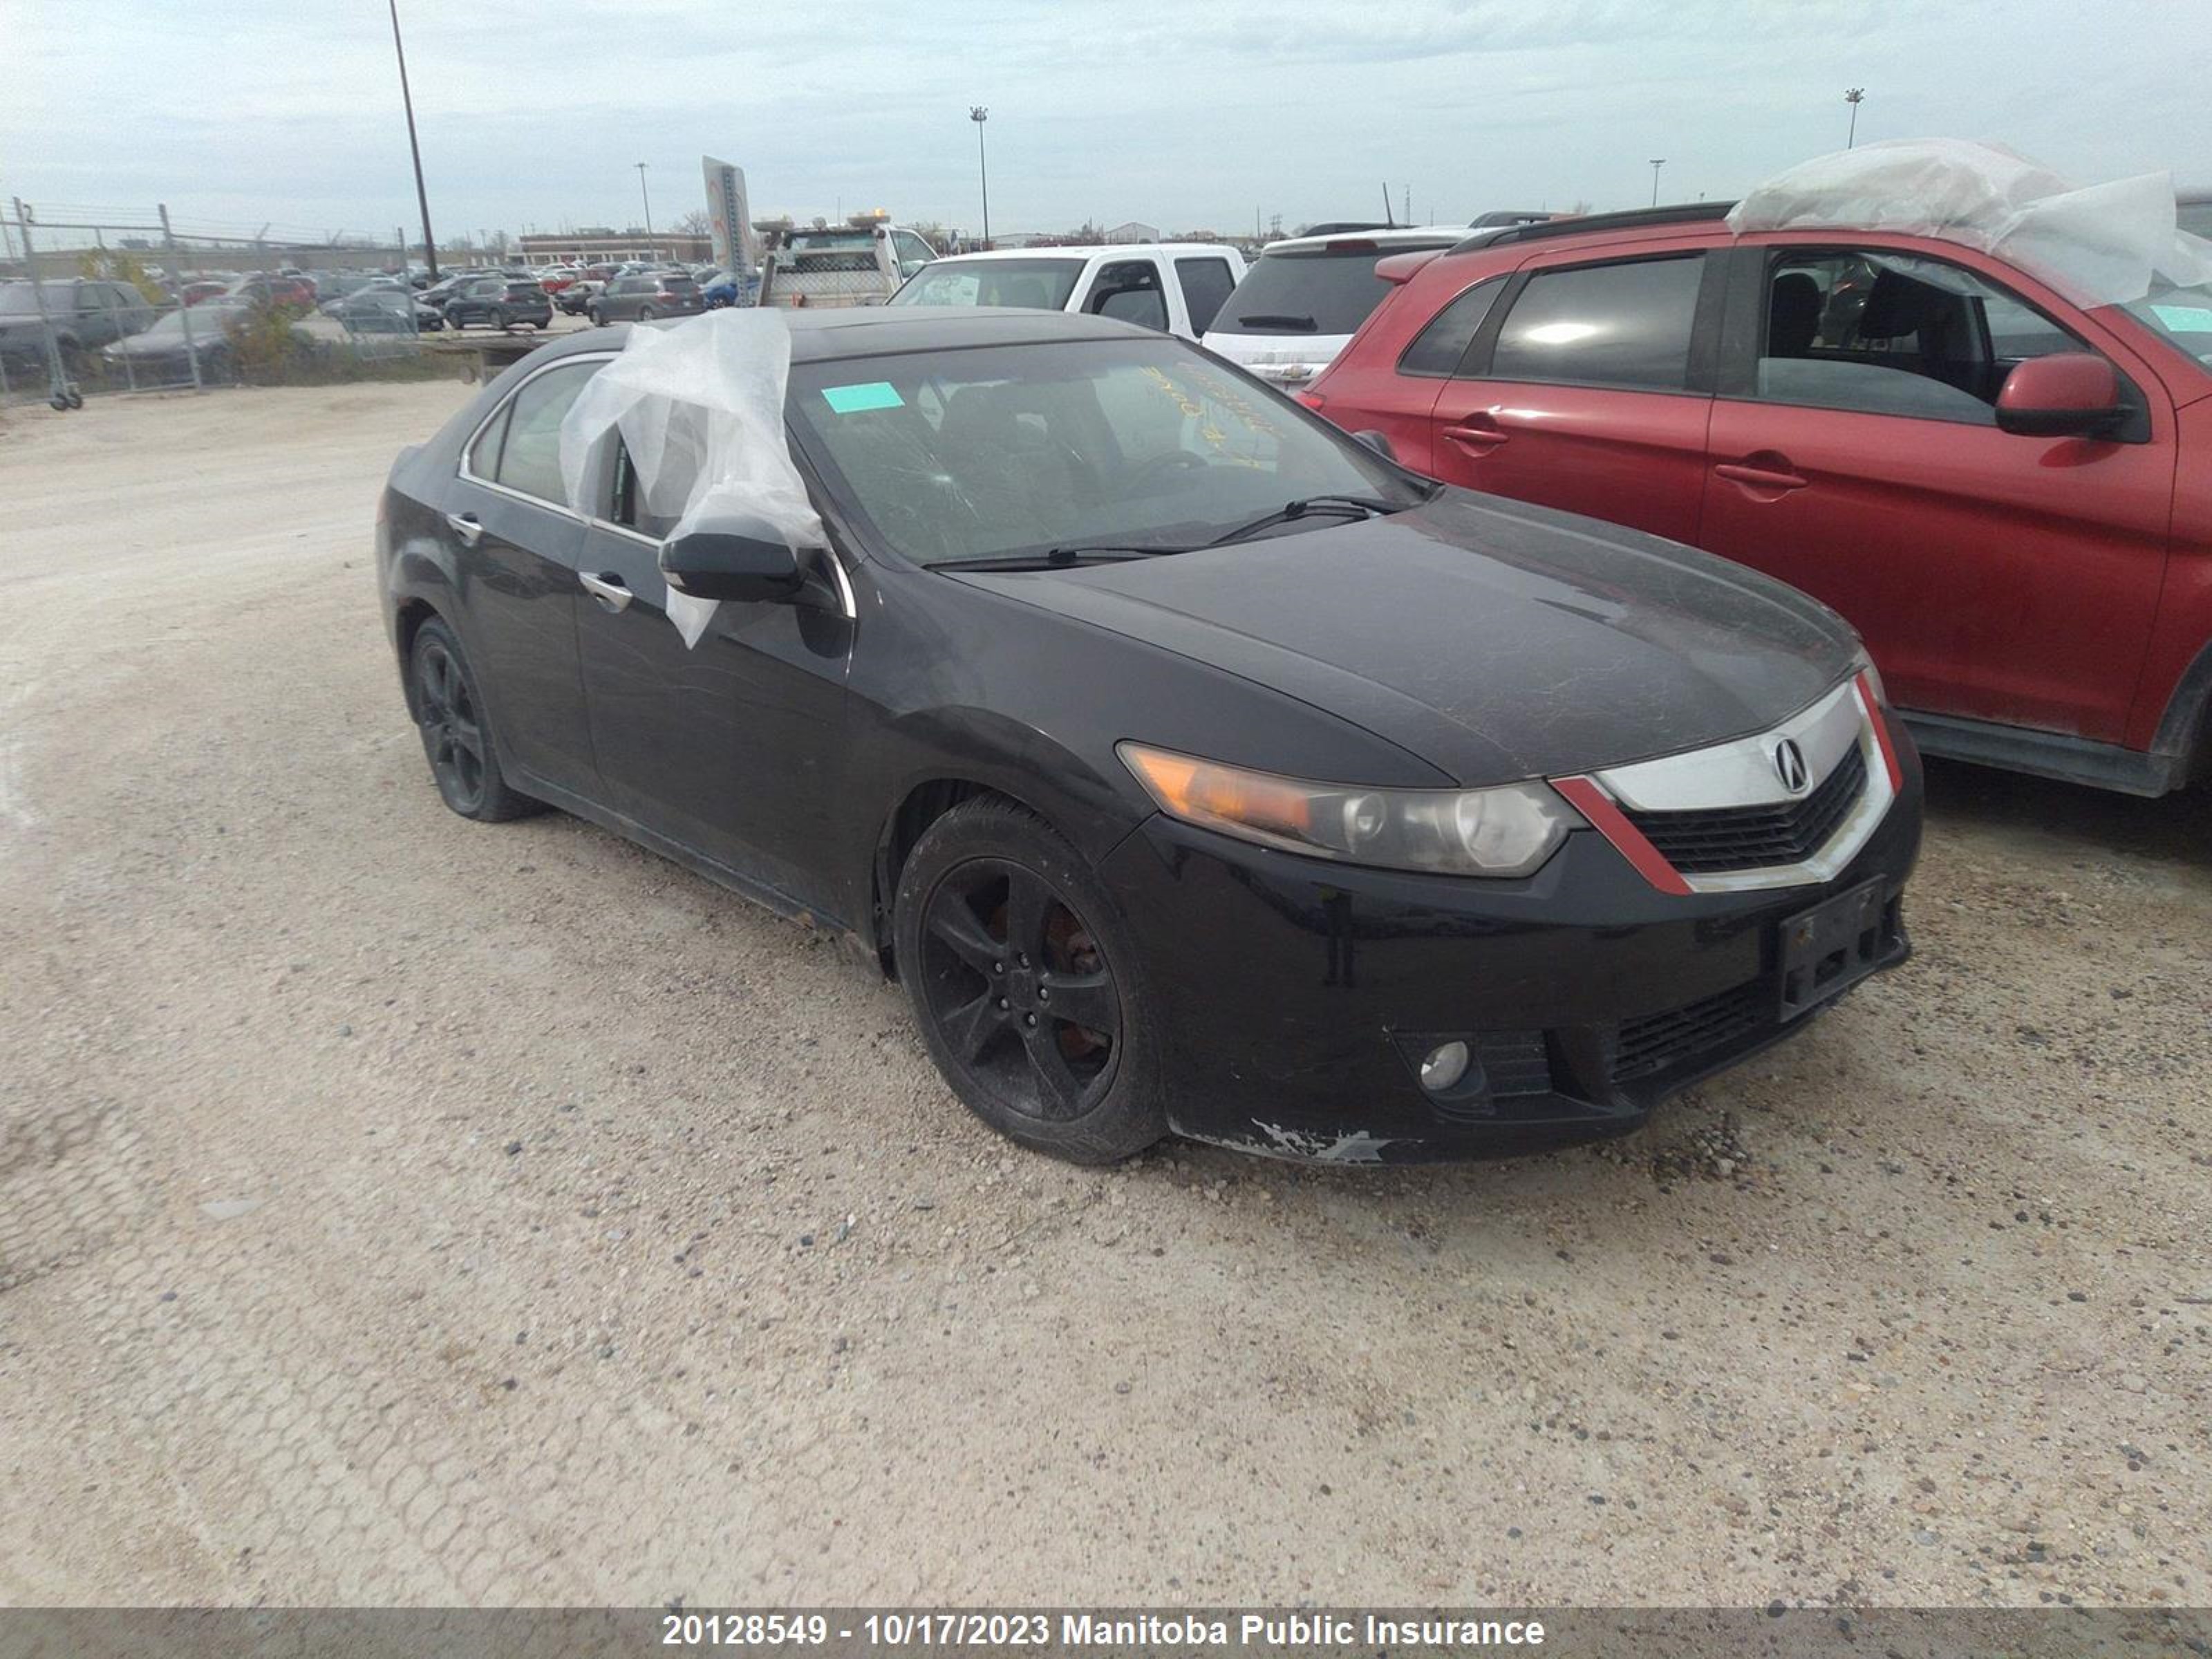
(825, 336)
(1089, 251)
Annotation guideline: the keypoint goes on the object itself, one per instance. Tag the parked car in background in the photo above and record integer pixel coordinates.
(729, 287)
(2009, 496)
(385, 308)
(1357, 818)
(554, 278)
(282, 292)
(161, 355)
(498, 303)
(1303, 298)
(195, 293)
(2193, 211)
(576, 298)
(640, 298)
(83, 315)
(1176, 287)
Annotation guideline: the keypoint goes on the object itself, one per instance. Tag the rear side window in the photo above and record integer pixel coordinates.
(1205, 284)
(1626, 325)
(1438, 348)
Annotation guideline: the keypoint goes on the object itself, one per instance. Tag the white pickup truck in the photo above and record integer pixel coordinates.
(1175, 287)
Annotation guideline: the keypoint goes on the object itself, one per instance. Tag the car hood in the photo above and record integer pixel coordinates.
(1495, 639)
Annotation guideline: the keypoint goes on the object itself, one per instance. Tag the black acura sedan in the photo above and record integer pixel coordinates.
(1194, 767)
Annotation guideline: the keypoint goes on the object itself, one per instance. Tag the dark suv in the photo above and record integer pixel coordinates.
(500, 301)
(641, 298)
(84, 315)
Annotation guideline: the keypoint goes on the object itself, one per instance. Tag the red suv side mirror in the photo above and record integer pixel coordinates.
(2069, 394)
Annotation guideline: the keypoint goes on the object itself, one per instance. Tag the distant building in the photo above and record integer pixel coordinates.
(600, 246)
(1135, 231)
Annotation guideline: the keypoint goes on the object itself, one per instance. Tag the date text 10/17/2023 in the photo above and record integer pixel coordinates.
(1273, 1630)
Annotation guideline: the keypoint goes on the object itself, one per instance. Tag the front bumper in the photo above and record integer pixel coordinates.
(1296, 995)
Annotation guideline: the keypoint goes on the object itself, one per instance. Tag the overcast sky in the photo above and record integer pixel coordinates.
(1185, 113)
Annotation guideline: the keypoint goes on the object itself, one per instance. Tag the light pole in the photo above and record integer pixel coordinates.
(978, 114)
(1658, 162)
(421, 196)
(1851, 96)
(647, 195)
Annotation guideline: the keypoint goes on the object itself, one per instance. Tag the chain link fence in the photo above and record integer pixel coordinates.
(94, 301)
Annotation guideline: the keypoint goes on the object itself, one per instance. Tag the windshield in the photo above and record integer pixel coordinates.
(1032, 284)
(961, 455)
(1309, 293)
(2181, 316)
(207, 321)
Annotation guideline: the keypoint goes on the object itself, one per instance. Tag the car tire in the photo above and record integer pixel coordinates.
(456, 732)
(995, 912)
(646, 314)
(599, 318)
(498, 318)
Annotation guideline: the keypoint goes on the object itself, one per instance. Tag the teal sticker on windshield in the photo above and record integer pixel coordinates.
(2185, 319)
(869, 394)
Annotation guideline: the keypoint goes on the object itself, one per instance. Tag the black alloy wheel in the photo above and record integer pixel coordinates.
(1027, 989)
(456, 737)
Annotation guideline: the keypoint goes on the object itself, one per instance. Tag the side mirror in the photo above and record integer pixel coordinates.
(2069, 394)
(1378, 443)
(738, 557)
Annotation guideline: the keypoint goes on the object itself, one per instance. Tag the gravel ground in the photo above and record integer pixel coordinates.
(396, 1208)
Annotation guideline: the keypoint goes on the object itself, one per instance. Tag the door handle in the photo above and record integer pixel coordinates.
(609, 591)
(1476, 440)
(465, 526)
(1775, 475)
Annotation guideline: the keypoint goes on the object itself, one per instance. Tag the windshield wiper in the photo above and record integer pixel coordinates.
(1290, 511)
(1060, 558)
(1280, 320)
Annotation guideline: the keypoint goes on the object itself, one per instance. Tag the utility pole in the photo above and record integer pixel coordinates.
(978, 114)
(422, 194)
(1851, 96)
(647, 195)
(1658, 162)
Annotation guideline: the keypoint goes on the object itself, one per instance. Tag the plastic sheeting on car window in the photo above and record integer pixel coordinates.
(2104, 243)
(699, 406)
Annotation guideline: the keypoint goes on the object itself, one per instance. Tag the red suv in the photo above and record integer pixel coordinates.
(1986, 479)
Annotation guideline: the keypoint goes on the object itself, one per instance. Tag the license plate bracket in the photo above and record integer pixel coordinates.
(1822, 952)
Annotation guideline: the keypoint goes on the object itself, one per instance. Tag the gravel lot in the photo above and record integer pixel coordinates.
(395, 1209)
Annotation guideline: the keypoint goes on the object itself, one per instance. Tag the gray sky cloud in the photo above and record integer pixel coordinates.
(1188, 115)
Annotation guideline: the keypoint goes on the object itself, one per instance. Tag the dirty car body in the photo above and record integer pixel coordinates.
(1207, 733)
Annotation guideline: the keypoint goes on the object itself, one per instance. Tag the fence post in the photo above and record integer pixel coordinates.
(55, 377)
(183, 305)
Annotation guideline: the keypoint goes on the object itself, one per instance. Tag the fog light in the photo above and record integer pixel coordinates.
(1444, 1065)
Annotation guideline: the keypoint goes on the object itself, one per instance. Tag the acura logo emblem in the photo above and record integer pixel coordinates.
(1789, 766)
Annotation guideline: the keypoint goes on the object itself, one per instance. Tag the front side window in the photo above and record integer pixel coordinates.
(1438, 348)
(1887, 333)
(1626, 325)
(1129, 291)
(972, 454)
(525, 439)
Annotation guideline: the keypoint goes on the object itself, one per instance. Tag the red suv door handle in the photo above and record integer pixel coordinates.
(1763, 471)
(1476, 440)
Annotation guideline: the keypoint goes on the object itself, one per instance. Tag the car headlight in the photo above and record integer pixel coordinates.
(1508, 830)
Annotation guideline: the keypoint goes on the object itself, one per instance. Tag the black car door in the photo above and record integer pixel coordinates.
(515, 544)
(730, 747)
